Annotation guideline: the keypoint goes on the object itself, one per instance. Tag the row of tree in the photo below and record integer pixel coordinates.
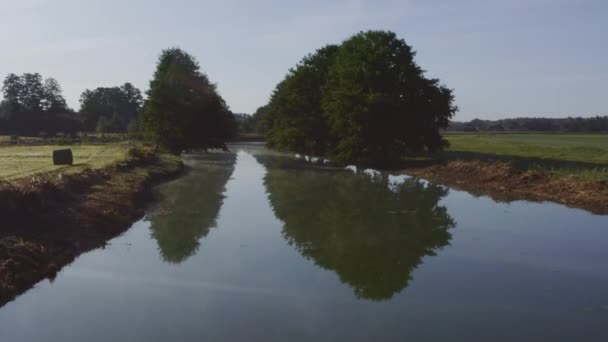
(597, 124)
(365, 100)
(33, 107)
(183, 109)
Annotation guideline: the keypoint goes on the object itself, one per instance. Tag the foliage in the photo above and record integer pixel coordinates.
(183, 109)
(32, 105)
(363, 101)
(110, 110)
(295, 118)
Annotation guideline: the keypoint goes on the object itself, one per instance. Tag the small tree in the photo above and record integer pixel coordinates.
(183, 109)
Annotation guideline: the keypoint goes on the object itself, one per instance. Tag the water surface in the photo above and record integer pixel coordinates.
(255, 246)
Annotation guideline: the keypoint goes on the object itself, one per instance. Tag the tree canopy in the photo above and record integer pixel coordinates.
(295, 118)
(183, 109)
(32, 106)
(111, 109)
(365, 100)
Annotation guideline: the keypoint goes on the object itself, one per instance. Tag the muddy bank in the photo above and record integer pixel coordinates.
(504, 182)
(47, 221)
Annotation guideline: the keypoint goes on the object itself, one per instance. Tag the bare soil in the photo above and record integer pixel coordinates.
(504, 182)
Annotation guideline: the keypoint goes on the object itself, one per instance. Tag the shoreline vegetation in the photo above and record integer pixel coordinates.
(50, 219)
(564, 168)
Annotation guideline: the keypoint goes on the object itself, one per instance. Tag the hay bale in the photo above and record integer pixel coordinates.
(63, 157)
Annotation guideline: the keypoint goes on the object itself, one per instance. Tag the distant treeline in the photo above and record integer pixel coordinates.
(33, 106)
(598, 124)
(251, 124)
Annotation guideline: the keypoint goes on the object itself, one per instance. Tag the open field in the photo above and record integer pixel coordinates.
(21, 161)
(580, 156)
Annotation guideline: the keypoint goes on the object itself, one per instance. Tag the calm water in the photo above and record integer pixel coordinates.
(253, 246)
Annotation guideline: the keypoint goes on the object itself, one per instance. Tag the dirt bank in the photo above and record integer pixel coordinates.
(504, 182)
(47, 221)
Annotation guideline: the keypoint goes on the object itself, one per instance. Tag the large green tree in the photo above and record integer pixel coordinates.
(111, 109)
(363, 101)
(183, 109)
(379, 102)
(294, 117)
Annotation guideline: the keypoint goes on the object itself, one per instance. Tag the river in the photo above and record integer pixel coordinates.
(258, 246)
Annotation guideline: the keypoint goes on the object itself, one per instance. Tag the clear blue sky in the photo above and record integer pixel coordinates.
(502, 57)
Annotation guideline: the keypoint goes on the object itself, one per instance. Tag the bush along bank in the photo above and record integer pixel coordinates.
(47, 221)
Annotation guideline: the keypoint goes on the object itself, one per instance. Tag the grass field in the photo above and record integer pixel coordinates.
(22, 161)
(583, 156)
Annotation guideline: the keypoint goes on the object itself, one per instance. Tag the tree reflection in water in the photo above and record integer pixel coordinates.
(188, 207)
(371, 233)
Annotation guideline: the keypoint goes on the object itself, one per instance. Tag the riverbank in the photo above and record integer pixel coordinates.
(47, 221)
(504, 182)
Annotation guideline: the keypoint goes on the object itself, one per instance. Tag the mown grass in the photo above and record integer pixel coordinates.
(22, 161)
(580, 156)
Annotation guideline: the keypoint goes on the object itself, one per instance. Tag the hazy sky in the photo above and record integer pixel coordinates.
(502, 57)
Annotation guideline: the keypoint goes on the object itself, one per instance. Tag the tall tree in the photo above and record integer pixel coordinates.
(363, 101)
(183, 109)
(112, 108)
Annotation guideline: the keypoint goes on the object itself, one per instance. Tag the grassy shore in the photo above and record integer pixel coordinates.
(571, 169)
(22, 161)
(579, 156)
(48, 220)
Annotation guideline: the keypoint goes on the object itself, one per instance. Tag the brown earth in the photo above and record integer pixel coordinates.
(504, 182)
(48, 221)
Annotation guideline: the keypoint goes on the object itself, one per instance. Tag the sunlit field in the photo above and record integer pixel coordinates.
(22, 161)
(582, 156)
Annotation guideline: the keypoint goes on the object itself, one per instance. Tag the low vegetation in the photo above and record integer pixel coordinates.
(578, 156)
(571, 169)
(22, 161)
(49, 220)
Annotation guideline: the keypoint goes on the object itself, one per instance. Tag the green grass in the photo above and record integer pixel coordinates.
(581, 156)
(22, 161)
